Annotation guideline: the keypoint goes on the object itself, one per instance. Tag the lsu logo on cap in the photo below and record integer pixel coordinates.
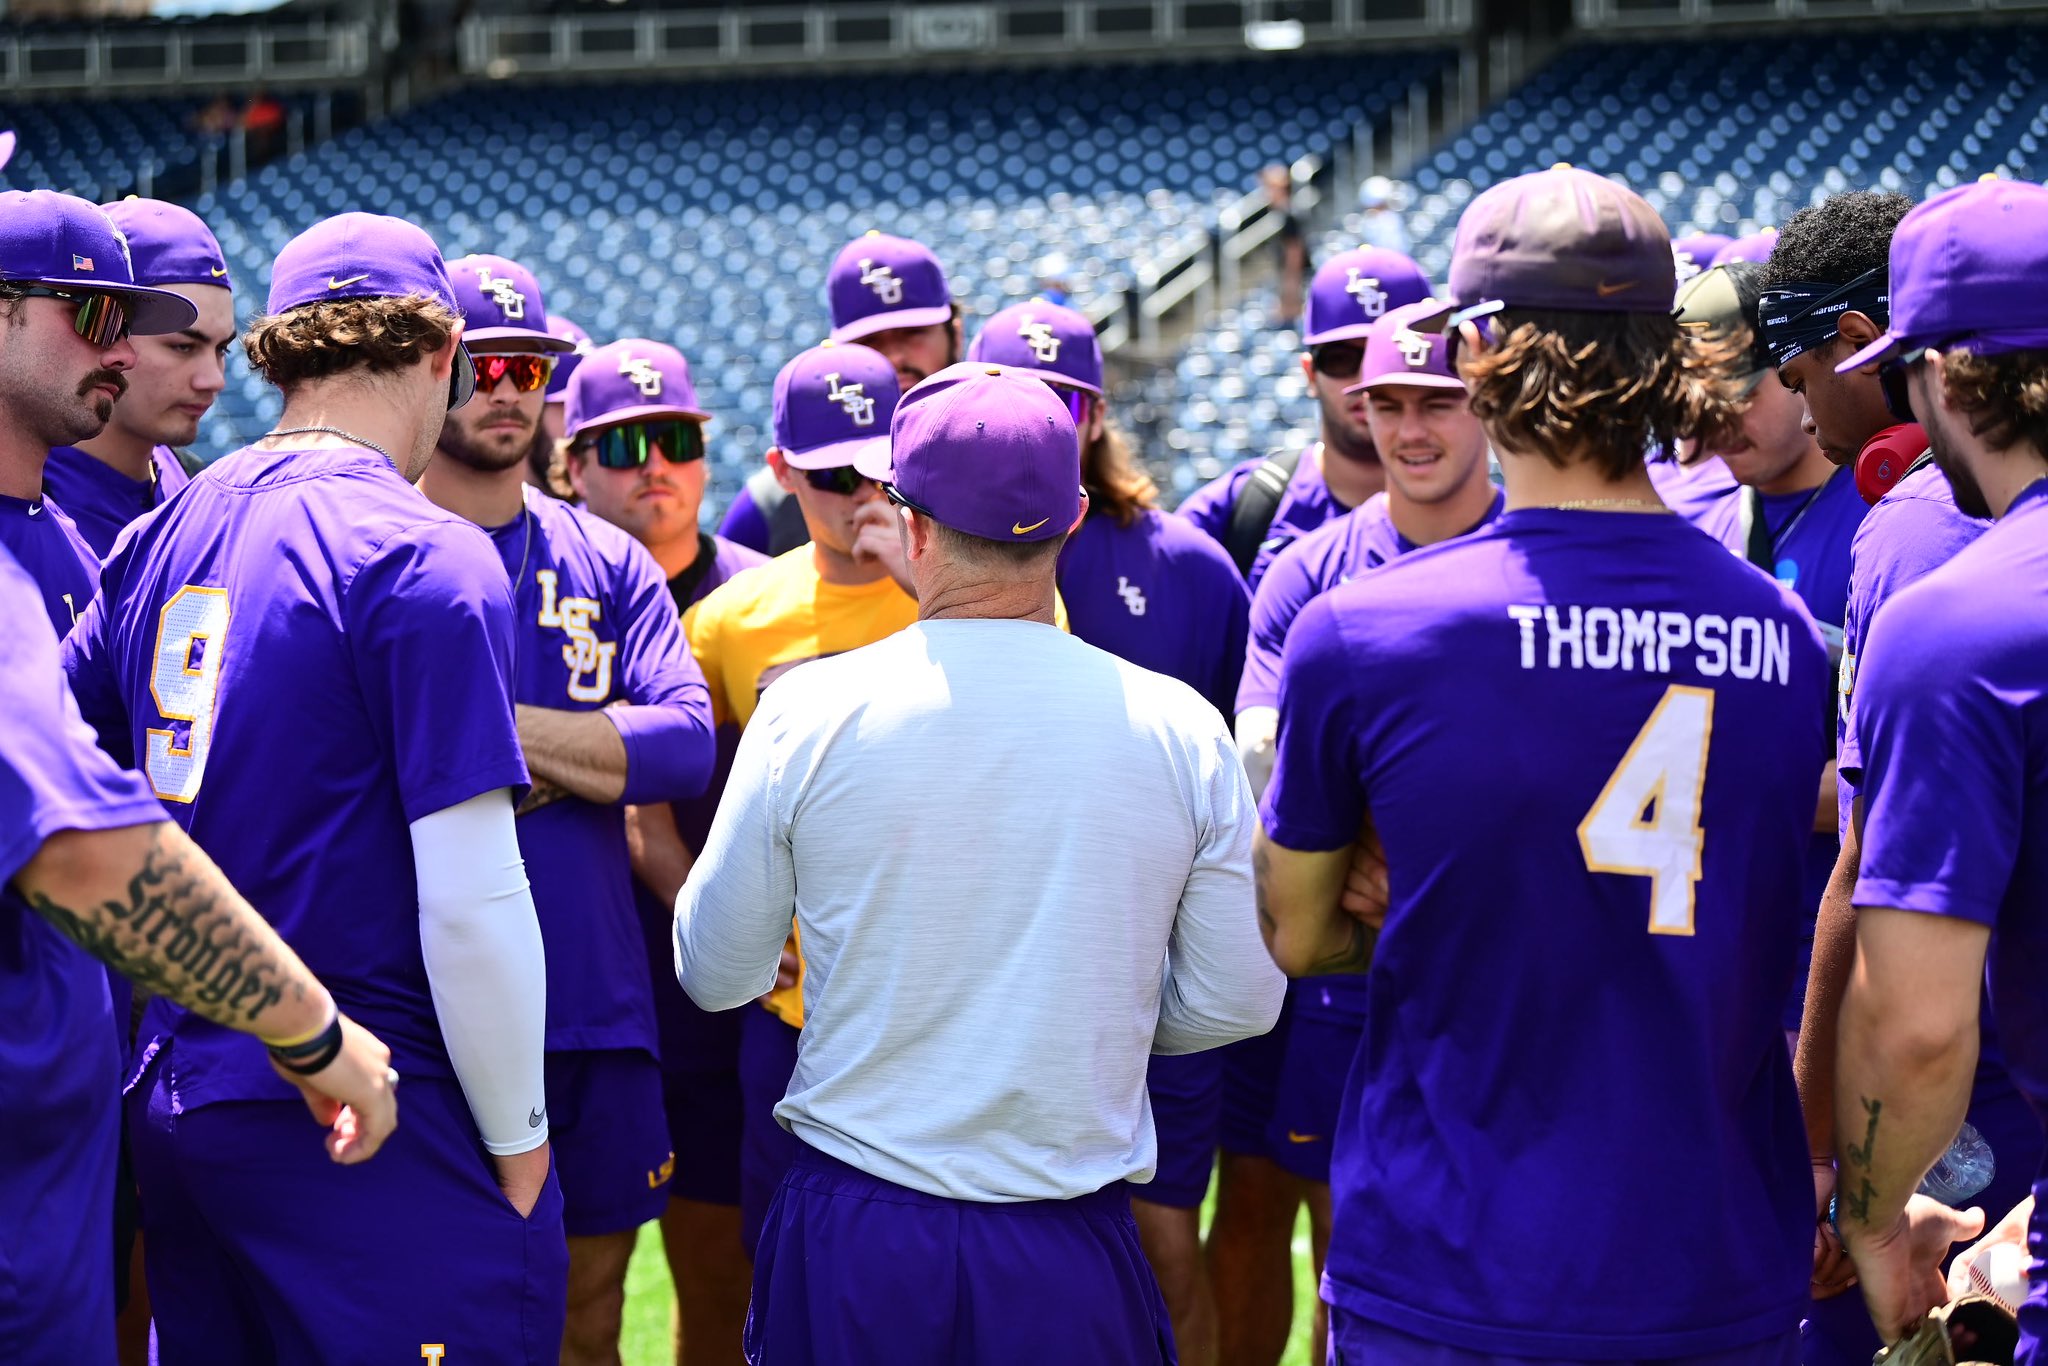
(853, 398)
(504, 293)
(1044, 344)
(1414, 348)
(883, 281)
(1366, 289)
(645, 377)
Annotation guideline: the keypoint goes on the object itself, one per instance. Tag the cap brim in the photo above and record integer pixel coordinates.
(1877, 350)
(1348, 332)
(853, 451)
(1407, 379)
(1055, 377)
(461, 380)
(535, 341)
(890, 321)
(151, 312)
(644, 413)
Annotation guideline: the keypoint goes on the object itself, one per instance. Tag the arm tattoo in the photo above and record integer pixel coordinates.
(1857, 1202)
(179, 931)
(1355, 956)
(541, 793)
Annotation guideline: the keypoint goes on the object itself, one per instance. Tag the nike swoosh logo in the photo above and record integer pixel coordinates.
(333, 283)
(1019, 529)
(224, 270)
(534, 1117)
(1604, 290)
(1293, 1137)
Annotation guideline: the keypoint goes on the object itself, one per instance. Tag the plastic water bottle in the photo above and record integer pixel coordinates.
(1963, 1171)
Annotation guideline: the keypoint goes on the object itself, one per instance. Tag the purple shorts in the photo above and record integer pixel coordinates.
(767, 1061)
(1251, 1086)
(261, 1250)
(1312, 1078)
(610, 1136)
(854, 1270)
(1360, 1342)
(1187, 1111)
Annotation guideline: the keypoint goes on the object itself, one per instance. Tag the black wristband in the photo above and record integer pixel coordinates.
(309, 1057)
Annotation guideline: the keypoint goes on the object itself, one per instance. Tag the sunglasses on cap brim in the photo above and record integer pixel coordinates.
(102, 318)
(631, 445)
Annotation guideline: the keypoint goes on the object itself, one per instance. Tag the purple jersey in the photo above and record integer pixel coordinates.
(1305, 504)
(1589, 743)
(1161, 595)
(1913, 529)
(101, 499)
(1952, 706)
(45, 543)
(597, 630)
(1336, 552)
(1693, 491)
(303, 656)
(59, 1068)
(744, 524)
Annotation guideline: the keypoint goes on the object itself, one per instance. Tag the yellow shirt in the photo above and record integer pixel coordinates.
(760, 624)
(757, 626)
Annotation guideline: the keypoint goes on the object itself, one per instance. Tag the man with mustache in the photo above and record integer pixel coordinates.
(68, 306)
(108, 480)
(612, 712)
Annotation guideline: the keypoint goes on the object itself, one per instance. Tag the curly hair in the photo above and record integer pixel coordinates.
(1838, 239)
(1114, 482)
(2003, 397)
(1611, 384)
(327, 338)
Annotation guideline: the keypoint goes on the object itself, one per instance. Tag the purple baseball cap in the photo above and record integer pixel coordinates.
(47, 238)
(168, 244)
(1566, 239)
(988, 451)
(1395, 353)
(1354, 289)
(502, 303)
(1053, 343)
(630, 381)
(1695, 251)
(880, 282)
(1967, 267)
(360, 256)
(1755, 247)
(833, 404)
(565, 364)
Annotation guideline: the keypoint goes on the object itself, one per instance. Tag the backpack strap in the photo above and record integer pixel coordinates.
(1256, 504)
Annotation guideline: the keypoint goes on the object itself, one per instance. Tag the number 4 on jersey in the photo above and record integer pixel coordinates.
(1647, 820)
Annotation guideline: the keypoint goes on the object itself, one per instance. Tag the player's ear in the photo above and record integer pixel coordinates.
(1080, 516)
(783, 474)
(1857, 331)
(1308, 368)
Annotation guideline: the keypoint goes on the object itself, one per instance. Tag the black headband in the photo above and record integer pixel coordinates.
(1800, 316)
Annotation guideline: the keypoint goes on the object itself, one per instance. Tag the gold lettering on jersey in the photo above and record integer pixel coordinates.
(589, 658)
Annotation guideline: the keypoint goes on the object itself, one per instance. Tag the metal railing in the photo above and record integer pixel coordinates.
(1658, 14)
(869, 34)
(160, 57)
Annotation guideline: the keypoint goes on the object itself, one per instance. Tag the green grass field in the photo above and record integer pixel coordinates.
(650, 1308)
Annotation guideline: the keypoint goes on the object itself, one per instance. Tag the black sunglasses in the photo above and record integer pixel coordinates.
(102, 319)
(632, 444)
(1891, 377)
(1338, 360)
(843, 480)
(896, 496)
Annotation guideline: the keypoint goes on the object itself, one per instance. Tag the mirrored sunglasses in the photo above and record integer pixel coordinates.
(528, 372)
(632, 444)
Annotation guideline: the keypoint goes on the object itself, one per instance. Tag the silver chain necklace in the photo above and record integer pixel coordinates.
(331, 431)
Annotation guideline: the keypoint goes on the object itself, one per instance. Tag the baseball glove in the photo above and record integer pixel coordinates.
(1975, 1330)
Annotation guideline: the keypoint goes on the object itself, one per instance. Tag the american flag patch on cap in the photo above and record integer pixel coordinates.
(81, 263)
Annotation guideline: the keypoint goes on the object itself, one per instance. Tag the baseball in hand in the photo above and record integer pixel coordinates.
(1995, 1269)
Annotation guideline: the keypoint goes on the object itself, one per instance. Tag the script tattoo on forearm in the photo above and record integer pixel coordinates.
(176, 933)
(1857, 1202)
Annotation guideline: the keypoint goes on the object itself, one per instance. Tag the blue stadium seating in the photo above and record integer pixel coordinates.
(1726, 135)
(706, 214)
(95, 148)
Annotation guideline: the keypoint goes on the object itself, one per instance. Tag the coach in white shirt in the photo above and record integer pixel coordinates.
(1018, 866)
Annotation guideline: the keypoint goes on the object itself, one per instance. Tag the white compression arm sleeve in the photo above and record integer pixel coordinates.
(485, 965)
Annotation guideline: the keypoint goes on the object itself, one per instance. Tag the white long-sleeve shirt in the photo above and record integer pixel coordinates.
(1019, 866)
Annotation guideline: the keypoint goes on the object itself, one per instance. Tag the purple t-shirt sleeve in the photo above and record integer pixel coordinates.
(666, 722)
(52, 776)
(1288, 586)
(429, 622)
(1315, 800)
(1209, 507)
(743, 523)
(1945, 765)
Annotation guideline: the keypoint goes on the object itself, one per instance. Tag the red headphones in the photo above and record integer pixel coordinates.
(1886, 457)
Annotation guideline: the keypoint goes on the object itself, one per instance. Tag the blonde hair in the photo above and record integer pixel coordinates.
(1111, 475)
